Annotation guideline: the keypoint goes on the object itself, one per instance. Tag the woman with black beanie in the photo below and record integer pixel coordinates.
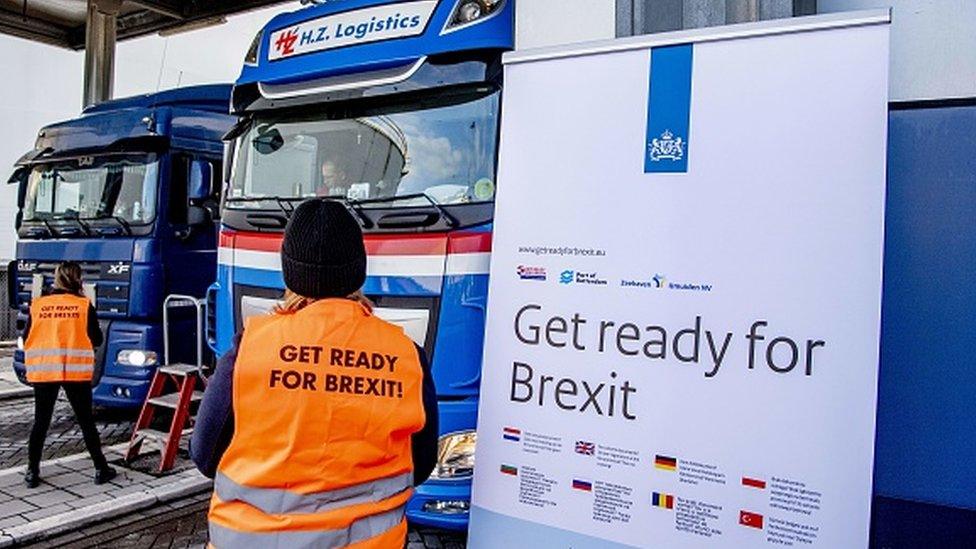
(319, 422)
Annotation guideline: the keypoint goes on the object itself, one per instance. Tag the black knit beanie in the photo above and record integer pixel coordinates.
(323, 253)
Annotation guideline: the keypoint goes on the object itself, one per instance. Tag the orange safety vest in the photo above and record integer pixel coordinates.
(57, 348)
(325, 402)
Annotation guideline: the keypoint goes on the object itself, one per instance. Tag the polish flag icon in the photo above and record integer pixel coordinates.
(752, 520)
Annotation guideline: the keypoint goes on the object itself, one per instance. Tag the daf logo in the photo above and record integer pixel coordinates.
(26, 267)
(118, 269)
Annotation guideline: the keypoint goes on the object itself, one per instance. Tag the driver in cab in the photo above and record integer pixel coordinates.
(335, 180)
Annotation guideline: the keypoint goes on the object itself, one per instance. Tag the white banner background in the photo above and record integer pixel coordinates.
(780, 212)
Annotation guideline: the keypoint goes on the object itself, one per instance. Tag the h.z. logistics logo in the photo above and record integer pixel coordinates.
(285, 44)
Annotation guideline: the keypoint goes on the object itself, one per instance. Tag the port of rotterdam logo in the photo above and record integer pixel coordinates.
(578, 277)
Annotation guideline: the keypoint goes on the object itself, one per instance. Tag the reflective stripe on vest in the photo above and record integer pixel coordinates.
(361, 529)
(82, 353)
(278, 502)
(58, 367)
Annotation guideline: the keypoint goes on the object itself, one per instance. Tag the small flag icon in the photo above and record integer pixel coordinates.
(665, 501)
(754, 483)
(585, 448)
(510, 470)
(665, 463)
(752, 520)
(583, 485)
(511, 433)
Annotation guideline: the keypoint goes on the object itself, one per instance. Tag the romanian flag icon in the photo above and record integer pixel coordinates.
(509, 470)
(583, 485)
(664, 501)
(665, 463)
(512, 434)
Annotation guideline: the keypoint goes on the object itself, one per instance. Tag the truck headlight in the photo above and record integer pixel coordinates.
(469, 11)
(137, 358)
(455, 456)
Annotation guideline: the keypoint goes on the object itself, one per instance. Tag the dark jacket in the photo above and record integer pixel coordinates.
(215, 420)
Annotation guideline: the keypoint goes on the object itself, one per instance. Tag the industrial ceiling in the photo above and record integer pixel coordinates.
(62, 22)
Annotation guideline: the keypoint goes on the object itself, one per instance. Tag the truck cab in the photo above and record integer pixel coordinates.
(128, 191)
(391, 108)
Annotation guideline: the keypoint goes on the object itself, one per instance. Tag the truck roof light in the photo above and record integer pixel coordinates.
(251, 57)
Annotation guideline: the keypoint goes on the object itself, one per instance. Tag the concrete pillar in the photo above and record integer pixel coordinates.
(741, 11)
(650, 16)
(100, 50)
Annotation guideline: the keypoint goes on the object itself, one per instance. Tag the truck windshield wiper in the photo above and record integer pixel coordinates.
(445, 215)
(50, 229)
(124, 224)
(81, 223)
(118, 219)
(358, 207)
(284, 203)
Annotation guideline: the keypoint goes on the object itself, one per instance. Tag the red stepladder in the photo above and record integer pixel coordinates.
(174, 386)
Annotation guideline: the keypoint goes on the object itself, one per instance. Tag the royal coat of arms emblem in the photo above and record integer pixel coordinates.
(667, 147)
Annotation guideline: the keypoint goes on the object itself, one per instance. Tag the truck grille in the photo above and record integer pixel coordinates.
(111, 281)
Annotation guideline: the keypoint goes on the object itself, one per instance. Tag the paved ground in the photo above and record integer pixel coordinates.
(134, 516)
(68, 500)
(184, 525)
(63, 438)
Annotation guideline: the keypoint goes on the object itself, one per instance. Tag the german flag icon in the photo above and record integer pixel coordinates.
(665, 463)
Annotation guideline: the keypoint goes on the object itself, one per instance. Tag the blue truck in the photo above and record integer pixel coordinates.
(392, 107)
(130, 190)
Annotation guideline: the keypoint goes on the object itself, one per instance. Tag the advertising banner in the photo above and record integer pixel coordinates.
(683, 321)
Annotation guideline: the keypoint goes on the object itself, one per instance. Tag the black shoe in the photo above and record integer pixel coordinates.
(105, 474)
(32, 479)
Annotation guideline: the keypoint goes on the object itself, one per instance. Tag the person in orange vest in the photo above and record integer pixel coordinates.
(323, 417)
(60, 338)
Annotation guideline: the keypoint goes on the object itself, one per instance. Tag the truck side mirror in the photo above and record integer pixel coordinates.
(19, 176)
(12, 286)
(228, 160)
(197, 215)
(200, 184)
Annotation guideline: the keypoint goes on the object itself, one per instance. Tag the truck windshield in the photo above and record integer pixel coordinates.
(445, 151)
(92, 188)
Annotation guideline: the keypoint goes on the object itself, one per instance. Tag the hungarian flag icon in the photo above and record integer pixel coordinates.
(752, 520)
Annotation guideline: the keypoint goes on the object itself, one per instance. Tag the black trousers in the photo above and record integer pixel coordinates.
(80, 397)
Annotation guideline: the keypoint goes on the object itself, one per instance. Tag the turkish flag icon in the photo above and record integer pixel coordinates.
(752, 520)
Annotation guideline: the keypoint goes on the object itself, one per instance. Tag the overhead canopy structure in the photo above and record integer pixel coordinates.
(62, 22)
(95, 25)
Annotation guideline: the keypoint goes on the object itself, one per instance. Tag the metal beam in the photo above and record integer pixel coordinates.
(34, 29)
(162, 8)
(100, 51)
